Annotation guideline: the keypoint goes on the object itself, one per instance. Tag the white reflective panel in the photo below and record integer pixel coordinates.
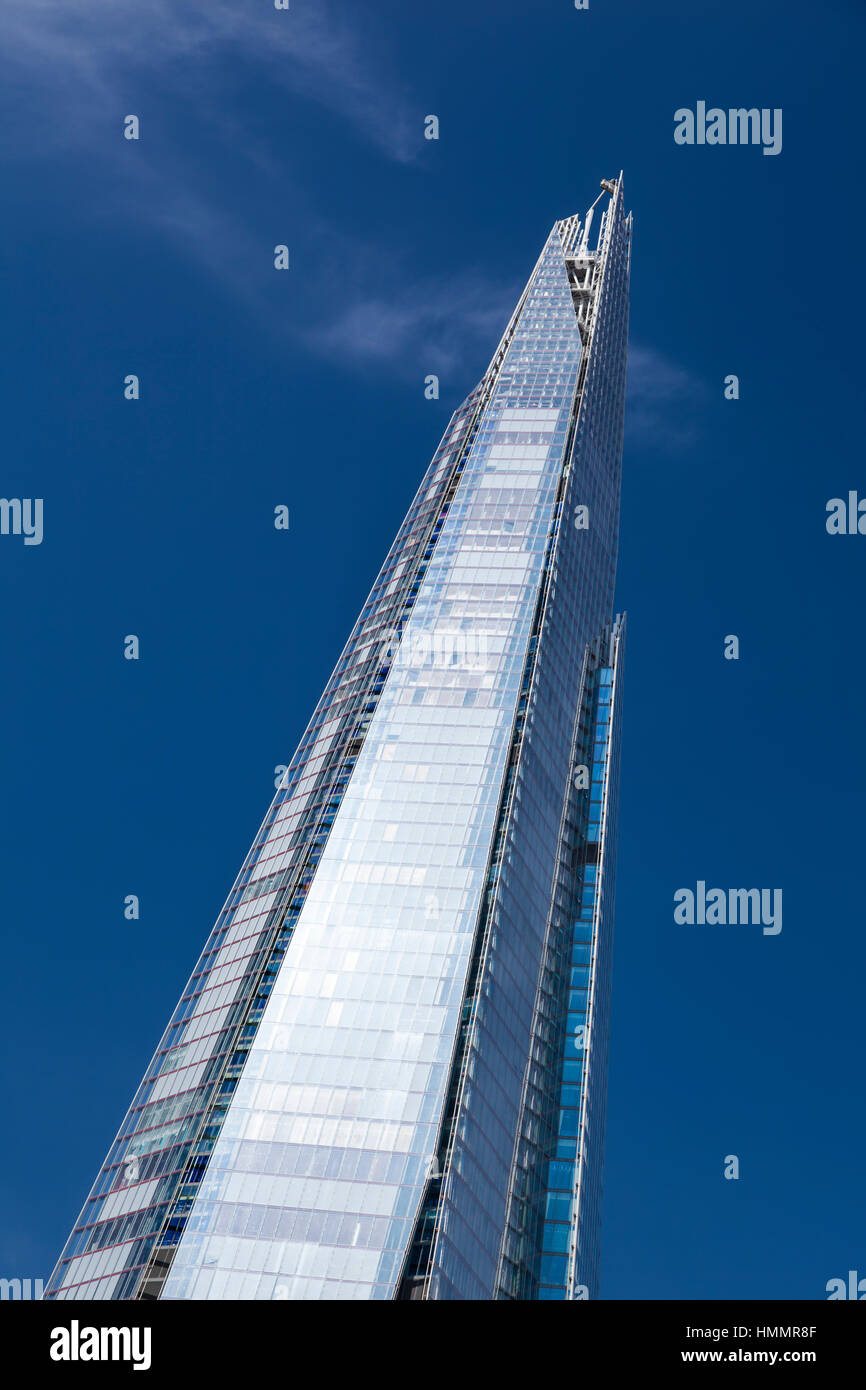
(343, 1090)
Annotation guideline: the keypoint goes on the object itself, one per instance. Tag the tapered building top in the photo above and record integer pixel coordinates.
(385, 1078)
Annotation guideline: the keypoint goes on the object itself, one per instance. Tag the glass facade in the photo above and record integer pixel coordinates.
(386, 1076)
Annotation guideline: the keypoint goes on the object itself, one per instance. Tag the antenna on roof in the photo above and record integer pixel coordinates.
(584, 244)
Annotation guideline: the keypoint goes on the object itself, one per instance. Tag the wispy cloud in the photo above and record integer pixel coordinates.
(385, 315)
(662, 401)
(430, 325)
(209, 177)
(66, 53)
(74, 68)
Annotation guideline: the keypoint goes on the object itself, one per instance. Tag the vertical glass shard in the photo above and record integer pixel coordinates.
(370, 1087)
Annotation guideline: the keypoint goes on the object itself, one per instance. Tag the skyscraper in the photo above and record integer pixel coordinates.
(386, 1077)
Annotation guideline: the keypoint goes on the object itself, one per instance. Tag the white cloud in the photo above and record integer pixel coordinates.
(76, 67)
(430, 325)
(62, 55)
(662, 400)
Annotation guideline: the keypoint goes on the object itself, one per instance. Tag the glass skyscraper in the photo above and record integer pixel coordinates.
(386, 1077)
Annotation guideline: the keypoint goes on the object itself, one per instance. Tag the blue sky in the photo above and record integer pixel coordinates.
(306, 388)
